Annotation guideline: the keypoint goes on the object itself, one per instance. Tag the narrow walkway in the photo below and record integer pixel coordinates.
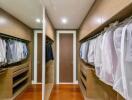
(66, 92)
(33, 92)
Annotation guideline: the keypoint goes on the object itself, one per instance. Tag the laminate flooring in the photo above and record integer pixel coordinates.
(66, 92)
(33, 92)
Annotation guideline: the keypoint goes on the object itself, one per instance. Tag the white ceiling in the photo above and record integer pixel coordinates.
(25, 10)
(28, 10)
(74, 10)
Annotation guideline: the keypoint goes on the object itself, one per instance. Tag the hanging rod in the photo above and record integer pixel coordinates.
(12, 37)
(116, 22)
(94, 36)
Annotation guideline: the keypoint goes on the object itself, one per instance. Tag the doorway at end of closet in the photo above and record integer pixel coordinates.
(66, 57)
(37, 69)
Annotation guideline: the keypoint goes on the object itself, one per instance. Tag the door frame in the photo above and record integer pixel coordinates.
(35, 79)
(58, 56)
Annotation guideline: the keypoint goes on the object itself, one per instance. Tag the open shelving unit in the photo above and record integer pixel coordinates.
(13, 81)
(87, 81)
(92, 87)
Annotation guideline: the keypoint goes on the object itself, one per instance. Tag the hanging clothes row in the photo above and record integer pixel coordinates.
(49, 52)
(12, 51)
(111, 54)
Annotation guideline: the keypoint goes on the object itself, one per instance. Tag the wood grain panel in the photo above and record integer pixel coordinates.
(11, 26)
(101, 12)
(66, 92)
(50, 72)
(49, 29)
(39, 58)
(33, 92)
(112, 7)
(66, 58)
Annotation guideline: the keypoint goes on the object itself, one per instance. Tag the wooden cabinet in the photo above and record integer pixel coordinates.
(13, 81)
(93, 88)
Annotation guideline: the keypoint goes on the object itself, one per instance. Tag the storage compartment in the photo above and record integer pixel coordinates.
(19, 86)
(83, 75)
(83, 85)
(22, 70)
(15, 80)
(18, 79)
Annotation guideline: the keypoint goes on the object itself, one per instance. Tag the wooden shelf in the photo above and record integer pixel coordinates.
(83, 90)
(19, 91)
(92, 87)
(83, 71)
(83, 75)
(19, 86)
(84, 81)
(2, 71)
(20, 71)
(14, 81)
(19, 81)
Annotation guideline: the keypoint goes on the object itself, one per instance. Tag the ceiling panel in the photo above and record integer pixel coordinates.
(25, 10)
(74, 10)
(28, 10)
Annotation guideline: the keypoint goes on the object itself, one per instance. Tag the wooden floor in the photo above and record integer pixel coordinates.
(33, 92)
(66, 92)
(59, 92)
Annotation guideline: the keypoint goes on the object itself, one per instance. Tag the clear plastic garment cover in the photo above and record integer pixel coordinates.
(90, 55)
(126, 60)
(97, 55)
(108, 58)
(118, 81)
(84, 50)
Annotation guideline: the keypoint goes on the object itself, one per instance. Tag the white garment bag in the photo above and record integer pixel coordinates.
(3, 59)
(84, 50)
(90, 55)
(108, 58)
(97, 55)
(126, 60)
(118, 82)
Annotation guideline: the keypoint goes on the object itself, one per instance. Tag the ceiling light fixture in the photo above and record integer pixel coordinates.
(38, 20)
(64, 20)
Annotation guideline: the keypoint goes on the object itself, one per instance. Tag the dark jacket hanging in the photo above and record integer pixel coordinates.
(49, 52)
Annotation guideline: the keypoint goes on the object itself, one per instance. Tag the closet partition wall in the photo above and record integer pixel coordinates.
(49, 58)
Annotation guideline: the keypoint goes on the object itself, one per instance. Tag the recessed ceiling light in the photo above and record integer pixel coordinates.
(64, 20)
(38, 20)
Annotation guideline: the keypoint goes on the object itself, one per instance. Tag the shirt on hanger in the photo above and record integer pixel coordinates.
(108, 58)
(84, 50)
(90, 55)
(126, 61)
(97, 54)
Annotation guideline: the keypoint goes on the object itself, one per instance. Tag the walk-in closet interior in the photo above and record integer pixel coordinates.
(65, 49)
